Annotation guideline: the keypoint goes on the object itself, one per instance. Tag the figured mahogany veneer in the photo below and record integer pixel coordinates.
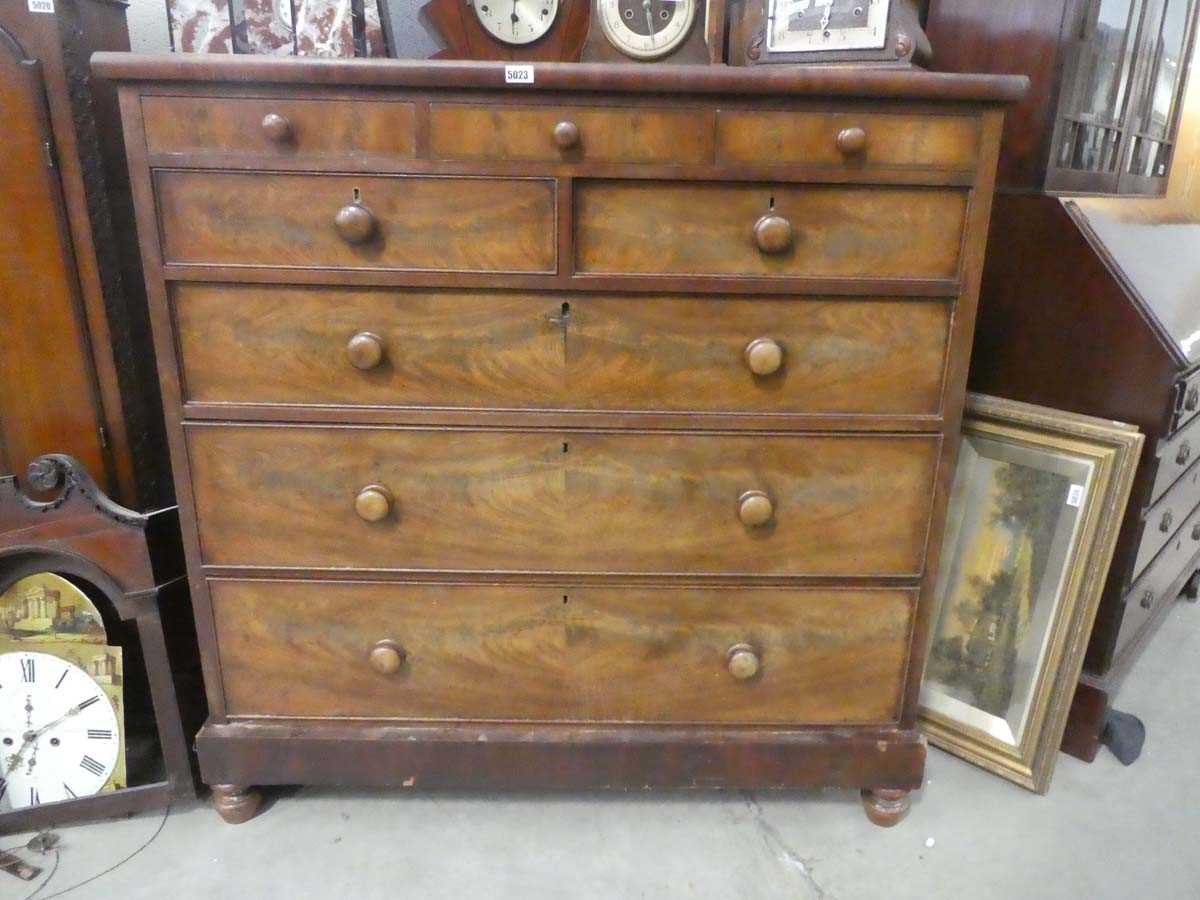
(596, 434)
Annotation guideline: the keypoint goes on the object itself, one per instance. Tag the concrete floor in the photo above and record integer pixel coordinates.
(1103, 833)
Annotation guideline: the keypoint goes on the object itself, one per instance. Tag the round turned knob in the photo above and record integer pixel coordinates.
(277, 128)
(773, 234)
(373, 503)
(386, 657)
(1147, 600)
(1168, 520)
(1185, 453)
(852, 141)
(755, 508)
(355, 223)
(365, 350)
(1192, 402)
(763, 356)
(566, 135)
(742, 661)
(1196, 532)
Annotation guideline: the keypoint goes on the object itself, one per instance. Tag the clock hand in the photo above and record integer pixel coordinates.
(649, 21)
(73, 711)
(515, 18)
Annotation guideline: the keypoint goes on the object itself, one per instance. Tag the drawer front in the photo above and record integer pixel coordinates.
(1175, 456)
(583, 654)
(563, 502)
(1165, 517)
(1187, 402)
(591, 134)
(837, 231)
(415, 223)
(833, 139)
(528, 350)
(1161, 582)
(279, 127)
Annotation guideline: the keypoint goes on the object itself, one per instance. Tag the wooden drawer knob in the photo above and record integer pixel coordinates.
(1168, 519)
(755, 508)
(277, 128)
(763, 356)
(365, 350)
(773, 234)
(852, 141)
(1196, 532)
(355, 223)
(742, 660)
(566, 135)
(1185, 453)
(1147, 600)
(1192, 402)
(386, 657)
(373, 503)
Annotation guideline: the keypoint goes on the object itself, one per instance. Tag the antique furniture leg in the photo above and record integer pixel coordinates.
(234, 803)
(885, 807)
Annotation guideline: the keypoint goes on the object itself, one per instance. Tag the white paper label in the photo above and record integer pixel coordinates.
(512, 74)
(42, 6)
(1075, 495)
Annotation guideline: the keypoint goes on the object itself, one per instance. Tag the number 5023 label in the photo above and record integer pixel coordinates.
(512, 74)
(41, 6)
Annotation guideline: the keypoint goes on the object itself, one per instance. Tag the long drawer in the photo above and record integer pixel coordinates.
(341, 221)
(414, 348)
(564, 653)
(1175, 456)
(1166, 516)
(1161, 581)
(544, 501)
(771, 230)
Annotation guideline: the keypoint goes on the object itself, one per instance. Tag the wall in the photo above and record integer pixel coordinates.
(1184, 189)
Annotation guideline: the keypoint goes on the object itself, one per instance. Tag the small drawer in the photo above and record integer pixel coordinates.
(616, 653)
(357, 222)
(570, 134)
(282, 127)
(1175, 456)
(545, 501)
(1187, 402)
(1165, 517)
(810, 230)
(1162, 580)
(849, 140)
(502, 350)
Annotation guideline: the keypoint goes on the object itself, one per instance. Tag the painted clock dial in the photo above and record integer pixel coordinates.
(813, 26)
(516, 21)
(59, 737)
(646, 29)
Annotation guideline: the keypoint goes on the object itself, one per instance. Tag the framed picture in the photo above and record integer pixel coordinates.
(1033, 518)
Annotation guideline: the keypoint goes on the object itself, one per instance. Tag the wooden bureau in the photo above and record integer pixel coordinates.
(593, 434)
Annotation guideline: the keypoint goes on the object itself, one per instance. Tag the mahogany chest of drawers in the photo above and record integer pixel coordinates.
(593, 434)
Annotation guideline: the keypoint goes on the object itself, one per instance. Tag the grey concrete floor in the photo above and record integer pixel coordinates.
(1104, 832)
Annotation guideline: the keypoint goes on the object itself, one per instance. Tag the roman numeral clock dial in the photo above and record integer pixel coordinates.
(516, 21)
(59, 737)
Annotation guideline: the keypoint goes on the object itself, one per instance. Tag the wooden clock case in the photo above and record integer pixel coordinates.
(705, 43)
(465, 38)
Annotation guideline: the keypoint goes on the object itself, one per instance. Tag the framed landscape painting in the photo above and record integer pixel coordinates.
(1037, 502)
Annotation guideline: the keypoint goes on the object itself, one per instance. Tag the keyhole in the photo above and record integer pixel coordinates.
(566, 308)
(771, 205)
(357, 195)
(564, 598)
(566, 446)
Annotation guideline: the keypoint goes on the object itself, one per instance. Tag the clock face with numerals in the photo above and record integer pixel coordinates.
(814, 26)
(59, 737)
(646, 29)
(516, 21)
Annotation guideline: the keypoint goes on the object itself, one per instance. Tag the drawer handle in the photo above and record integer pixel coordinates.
(755, 509)
(277, 128)
(365, 350)
(1147, 600)
(1185, 453)
(386, 657)
(1193, 399)
(1196, 532)
(852, 141)
(566, 135)
(773, 234)
(355, 223)
(743, 662)
(763, 356)
(1168, 520)
(374, 503)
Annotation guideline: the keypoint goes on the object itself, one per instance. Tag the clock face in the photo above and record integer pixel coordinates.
(59, 737)
(646, 29)
(813, 26)
(516, 21)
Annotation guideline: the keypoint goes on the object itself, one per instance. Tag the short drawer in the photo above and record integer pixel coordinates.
(1166, 516)
(850, 140)
(337, 221)
(1175, 456)
(578, 654)
(1162, 580)
(1187, 401)
(421, 348)
(544, 501)
(570, 133)
(764, 230)
(283, 127)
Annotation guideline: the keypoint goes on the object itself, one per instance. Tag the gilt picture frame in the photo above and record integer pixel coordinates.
(1034, 514)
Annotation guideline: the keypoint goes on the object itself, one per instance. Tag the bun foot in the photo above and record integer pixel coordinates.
(235, 804)
(885, 807)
